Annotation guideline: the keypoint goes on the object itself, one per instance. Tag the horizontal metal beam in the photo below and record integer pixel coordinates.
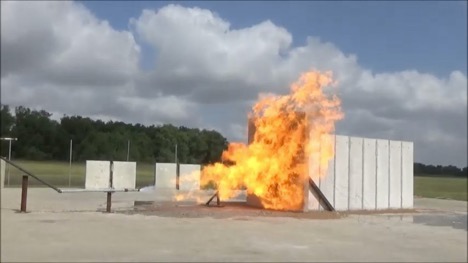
(101, 190)
(30, 174)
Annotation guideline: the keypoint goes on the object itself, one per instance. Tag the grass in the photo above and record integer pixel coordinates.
(441, 187)
(57, 173)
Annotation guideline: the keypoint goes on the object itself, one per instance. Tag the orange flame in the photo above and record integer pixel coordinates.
(288, 130)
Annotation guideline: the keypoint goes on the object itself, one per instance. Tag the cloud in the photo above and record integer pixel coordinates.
(60, 57)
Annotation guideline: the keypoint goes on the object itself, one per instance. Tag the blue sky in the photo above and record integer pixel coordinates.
(406, 81)
(429, 36)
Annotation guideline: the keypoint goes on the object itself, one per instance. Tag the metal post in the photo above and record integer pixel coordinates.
(128, 150)
(109, 202)
(69, 169)
(24, 193)
(111, 185)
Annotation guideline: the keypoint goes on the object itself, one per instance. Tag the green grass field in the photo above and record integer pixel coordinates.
(57, 173)
(441, 187)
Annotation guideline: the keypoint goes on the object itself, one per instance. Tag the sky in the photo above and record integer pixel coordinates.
(401, 66)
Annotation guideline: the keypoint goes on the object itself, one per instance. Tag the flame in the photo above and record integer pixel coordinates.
(289, 130)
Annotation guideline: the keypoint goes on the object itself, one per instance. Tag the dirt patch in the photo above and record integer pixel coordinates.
(234, 210)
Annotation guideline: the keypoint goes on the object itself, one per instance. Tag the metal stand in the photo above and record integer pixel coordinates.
(218, 202)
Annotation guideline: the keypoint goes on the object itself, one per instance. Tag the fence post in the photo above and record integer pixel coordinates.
(24, 193)
(109, 202)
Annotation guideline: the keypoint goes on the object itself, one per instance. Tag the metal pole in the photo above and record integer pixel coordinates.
(109, 202)
(69, 168)
(24, 193)
(128, 150)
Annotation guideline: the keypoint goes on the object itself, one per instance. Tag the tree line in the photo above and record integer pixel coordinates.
(42, 138)
(449, 170)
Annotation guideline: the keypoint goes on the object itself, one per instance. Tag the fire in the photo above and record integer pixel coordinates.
(290, 131)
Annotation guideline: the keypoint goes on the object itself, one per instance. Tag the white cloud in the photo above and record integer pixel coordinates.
(59, 56)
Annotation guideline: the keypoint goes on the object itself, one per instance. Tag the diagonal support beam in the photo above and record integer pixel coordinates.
(315, 190)
(216, 194)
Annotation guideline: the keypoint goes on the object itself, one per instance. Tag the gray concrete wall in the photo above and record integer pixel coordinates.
(2, 173)
(189, 176)
(124, 175)
(367, 174)
(97, 174)
(165, 175)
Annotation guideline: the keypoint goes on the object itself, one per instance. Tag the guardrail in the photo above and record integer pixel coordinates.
(25, 184)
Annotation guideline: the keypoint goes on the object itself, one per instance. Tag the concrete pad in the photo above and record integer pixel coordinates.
(395, 175)
(407, 175)
(342, 173)
(124, 175)
(97, 174)
(165, 175)
(68, 229)
(355, 173)
(189, 176)
(382, 174)
(2, 173)
(369, 174)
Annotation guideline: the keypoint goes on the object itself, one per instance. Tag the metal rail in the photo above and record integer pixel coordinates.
(105, 190)
(24, 187)
(30, 174)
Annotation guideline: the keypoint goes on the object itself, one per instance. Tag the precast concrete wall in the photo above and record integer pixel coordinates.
(166, 176)
(189, 176)
(366, 174)
(2, 173)
(124, 175)
(97, 174)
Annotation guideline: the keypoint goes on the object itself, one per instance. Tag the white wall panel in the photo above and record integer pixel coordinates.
(341, 173)
(2, 173)
(165, 175)
(355, 173)
(124, 175)
(382, 173)
(189, 176)
(407, 175)
(97, 174)
(314, 173)
(369, 174)
(395, 175)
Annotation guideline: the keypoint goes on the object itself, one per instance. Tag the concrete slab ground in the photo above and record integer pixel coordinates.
(70, 228)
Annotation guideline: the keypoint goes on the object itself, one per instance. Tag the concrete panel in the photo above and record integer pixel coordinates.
(407, 175)
(97, 174)
(369, 174)
(165, 175)
(2, 173)
(189, 176)
(355, 173)
(341, 173)
(382, 174)
(395, 175)
(314, 173)
(124, 175)
(327, 180)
